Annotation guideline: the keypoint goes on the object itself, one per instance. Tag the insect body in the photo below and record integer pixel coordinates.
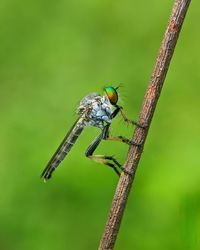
(94, 110)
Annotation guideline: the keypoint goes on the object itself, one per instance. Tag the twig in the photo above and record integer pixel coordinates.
(150, 100)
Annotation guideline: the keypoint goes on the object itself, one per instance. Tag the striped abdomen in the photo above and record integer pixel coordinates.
(63, 149)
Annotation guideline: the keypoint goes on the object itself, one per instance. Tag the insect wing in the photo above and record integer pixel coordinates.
(63, 149)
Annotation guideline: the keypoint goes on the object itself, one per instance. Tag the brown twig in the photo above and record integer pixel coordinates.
(150, 100)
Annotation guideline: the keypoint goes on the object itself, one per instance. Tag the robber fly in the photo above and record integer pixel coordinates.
(98, 111)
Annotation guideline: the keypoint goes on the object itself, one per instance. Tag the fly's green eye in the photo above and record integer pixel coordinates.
(112, 95)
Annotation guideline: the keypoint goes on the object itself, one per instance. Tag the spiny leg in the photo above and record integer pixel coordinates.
(106, 160)
(117, 163)
(120, 109)
(106, 136)
(122, 139)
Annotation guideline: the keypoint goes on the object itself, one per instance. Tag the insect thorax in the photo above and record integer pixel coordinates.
(96, 110)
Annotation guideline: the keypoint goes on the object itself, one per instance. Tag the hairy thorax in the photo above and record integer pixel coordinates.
(96, 110)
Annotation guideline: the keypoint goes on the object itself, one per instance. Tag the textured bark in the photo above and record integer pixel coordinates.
(150, 100)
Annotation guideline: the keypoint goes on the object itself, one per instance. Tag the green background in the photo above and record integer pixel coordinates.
(52, 53)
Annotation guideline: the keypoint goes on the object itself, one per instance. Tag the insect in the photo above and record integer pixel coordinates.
(99, 111)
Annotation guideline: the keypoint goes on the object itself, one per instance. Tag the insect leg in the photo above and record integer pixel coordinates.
(103, 159)
(105, 136)
(120, 109)
(123, 139)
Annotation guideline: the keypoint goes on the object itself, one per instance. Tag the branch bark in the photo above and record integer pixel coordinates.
(150, 100)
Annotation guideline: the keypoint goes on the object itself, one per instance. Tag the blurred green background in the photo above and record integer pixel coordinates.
(52, 53)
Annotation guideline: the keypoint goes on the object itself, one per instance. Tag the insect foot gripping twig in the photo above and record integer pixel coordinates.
(150, 100)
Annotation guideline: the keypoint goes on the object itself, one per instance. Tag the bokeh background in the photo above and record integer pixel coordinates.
(52, 53)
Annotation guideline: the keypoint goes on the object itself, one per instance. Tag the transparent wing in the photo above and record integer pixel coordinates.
(63, 148)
